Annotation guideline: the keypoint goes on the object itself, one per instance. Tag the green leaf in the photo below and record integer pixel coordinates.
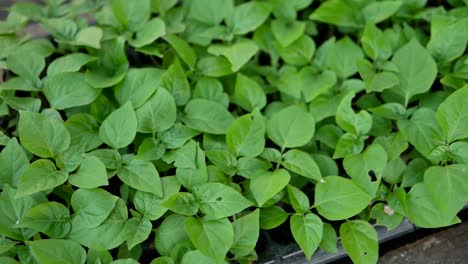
(271, 217)
(447, 41)
(141, 175)
(84, 130)
(183, 49)
(26, 65)
(223, 159)
(359, 239)
(267, 184)
(210, 12)
(107, 235)
(348, 144)
(211, 89)
(386, 216)
(41, 175)
(237, 54)
(348, 120)
(119, 129)
(375, 43)
(207, 116)
(298, 199)
(339, 13)
(51, 218)
(205, 236)
(41, 135)
(248, 94)
(111, 66)
(13, 162)
(138, 86)
(248, 167)
(219, 201)
(307, 230)
(314, 85)
(300, 52)
(417, 70)
(69, 89)
(158, 113)
(12, 209)
(329, 239)
(361, 166)
(150, 149)
(338, 198)
(65, 251)
(149, 205)
(90, 36)
(246, 233)
(286, 32)
(422, 210)
(169, 234)
(379, 11)
(132, 15)
(151, 31)
(175, 81)
(69, 63)
(291, 127)
(448, 187)
(246, 135)
(196, 257)
(393, 111)
(91, 174)
(183, 203)
(343, 56)
(136, 231)
(214, 66)
(301, 163)
(422, 131)
(247, 17)
(91, 207)
(452, 115)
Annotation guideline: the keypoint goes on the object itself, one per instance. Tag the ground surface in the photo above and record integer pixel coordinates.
(449, 246)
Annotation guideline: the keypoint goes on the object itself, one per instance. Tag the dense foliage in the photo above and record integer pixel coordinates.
(175, 131)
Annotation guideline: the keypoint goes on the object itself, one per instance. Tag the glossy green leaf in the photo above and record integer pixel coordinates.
(246, 135)
(91, 174)
(136, 231)
(219, 201)
(338, 198)
(65, 251)
(41, 175)
(13, 162)
(205, 236)
(301, 163)
(51, 218)
(41, 135)
(91, 207)
(138, 86)
(158, 113)
(246, 233)
(119, 128)
(141, 175)
(248, 94)
(307, 230)
(417, 70)
(452, 117)
(359, 239)
(247, 17)
(291, 127)
(267, 184)
(207, 116)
